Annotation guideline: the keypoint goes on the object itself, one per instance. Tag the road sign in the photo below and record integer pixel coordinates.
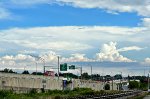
(72, 67)
(63, 67)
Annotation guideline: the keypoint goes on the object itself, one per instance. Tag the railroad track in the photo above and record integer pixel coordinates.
(123, 95)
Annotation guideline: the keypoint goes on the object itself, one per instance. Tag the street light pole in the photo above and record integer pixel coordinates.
(43, 65)
(36, 68)
(81, 72)
(120, 82)
(148, 81)
(58, 68)
(91, 72)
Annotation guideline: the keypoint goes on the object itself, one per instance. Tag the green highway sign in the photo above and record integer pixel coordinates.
(72, 67)
(63, 67)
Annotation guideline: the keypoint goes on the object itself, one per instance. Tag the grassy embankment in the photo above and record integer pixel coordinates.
(53, 94)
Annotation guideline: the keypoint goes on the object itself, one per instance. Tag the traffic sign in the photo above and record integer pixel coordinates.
(72, 67)
(63, 67)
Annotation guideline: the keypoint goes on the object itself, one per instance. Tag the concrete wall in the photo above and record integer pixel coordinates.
(24, 83)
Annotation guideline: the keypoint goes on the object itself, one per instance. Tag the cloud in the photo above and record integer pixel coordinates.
(27, 52)
(50, 58)
(73, 38)
(109, 52)
(146, 22)
(77, 57)
(17, 62)
(30, 2)
(5, 14)
(18, 57)
(140, 6)
(50, 38)
(130, 48)
(147, 61)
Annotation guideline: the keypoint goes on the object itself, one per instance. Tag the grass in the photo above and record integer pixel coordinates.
(53, 94)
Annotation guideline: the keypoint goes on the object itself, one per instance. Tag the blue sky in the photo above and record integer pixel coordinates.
(77, 30)
(56, 15)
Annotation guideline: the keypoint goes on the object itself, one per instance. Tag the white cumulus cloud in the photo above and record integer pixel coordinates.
(130, 48)
(109, 52)
(77, 57)
(147, 61)
(146, 22)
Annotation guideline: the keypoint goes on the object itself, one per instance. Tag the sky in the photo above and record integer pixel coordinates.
(113, 31)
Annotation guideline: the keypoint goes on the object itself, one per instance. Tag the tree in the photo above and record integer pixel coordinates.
(10, 71)
(25, 72)
(37, 73)
(95, 77)
(85, 76)
(118, 76)
(6, 70)
(107, 87)
(134, 84)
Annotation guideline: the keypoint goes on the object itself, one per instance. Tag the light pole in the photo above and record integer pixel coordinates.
(91, 72)
(148, 82)
(120, 85)
(39, 58)
(36, 67)
(58, 67)
(81, 72)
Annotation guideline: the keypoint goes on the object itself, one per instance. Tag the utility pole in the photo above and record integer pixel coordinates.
(112, 81)
(91, 72)
(148, 81)
(36, 68)
(58, 67)
(43, 66)
(81, 72)
(120, 82)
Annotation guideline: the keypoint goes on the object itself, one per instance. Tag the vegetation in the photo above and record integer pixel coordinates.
(25, 72)
(107, 87)
(53, 94)
(6, 70)
(134, 85)
(37, 73)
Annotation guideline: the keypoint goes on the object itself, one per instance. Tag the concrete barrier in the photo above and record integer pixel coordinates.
(26, 82)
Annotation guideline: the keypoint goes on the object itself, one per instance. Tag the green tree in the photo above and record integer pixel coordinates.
(134, 84)
(107, 87)
(25, 72)
(85, 76)
(11, 71)
(6, 70)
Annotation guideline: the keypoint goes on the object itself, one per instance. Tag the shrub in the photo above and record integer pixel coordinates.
(33, 92)
(107, 87)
